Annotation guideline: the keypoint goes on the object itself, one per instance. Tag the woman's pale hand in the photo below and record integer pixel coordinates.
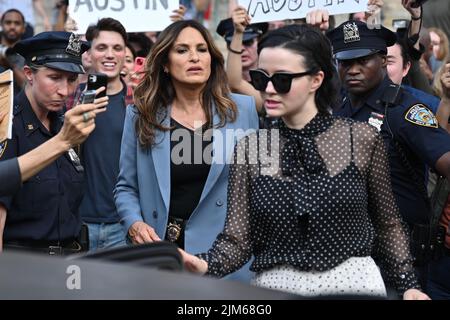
(140, 233)
(414, 294)
(192, 263)
(414, 12)
(240, 19)
(373, 8)
(178, 14)
(445, 81)
(79, 121)
(319, 18)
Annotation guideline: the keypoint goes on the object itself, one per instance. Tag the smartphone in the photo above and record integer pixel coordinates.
(400, 24)
(88, 96)
(95, 81)
(139, 64)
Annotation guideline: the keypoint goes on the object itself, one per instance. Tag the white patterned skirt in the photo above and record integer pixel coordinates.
(355, 276)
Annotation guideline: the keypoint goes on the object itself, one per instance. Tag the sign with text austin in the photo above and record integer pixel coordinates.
(271, 10)
(135, 15)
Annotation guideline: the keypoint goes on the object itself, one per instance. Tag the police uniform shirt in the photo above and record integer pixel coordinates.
(415, 128)
(45, 208)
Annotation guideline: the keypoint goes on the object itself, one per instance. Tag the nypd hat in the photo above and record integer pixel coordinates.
(55, 49)
(354, 39)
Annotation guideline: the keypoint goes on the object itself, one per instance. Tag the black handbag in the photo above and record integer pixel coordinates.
(160, 255)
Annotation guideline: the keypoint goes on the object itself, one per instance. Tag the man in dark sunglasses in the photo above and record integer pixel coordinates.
(410, 129)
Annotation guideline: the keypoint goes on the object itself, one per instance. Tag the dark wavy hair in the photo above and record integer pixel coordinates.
(315, 48)
(155, 92)
(106, 24)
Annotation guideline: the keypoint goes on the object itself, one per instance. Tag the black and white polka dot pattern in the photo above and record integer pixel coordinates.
(330, 200)
(355, 276)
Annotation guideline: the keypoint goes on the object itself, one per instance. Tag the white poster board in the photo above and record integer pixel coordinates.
(6, 105)
(135, 15)
(271, 10)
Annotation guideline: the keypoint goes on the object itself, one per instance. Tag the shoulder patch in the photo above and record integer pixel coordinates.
(421, 115)
(3, 147)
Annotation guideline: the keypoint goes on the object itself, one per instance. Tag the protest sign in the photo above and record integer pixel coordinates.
(6, 104)
(271, 10)
(135, 15)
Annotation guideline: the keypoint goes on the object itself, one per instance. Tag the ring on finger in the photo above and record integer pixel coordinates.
(86, 116)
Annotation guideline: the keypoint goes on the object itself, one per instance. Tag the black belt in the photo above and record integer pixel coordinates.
(175, 231)
(53, 248)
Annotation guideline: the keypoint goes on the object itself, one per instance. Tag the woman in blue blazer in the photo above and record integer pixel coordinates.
(177, 140)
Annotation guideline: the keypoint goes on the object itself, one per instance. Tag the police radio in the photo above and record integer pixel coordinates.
(391, 95)
(390, 98)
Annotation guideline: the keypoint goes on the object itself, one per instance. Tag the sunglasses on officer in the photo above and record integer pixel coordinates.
(248, 43)
(281, 81)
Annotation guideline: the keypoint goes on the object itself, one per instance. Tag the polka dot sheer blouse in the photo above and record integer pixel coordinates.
(311, 199)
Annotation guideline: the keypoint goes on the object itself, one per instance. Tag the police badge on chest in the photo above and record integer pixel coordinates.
(376, 120)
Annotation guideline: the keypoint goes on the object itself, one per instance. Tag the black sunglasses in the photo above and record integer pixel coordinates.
(248, 43)
(281, 81)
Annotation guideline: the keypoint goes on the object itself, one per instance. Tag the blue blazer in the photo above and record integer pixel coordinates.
(142, 192)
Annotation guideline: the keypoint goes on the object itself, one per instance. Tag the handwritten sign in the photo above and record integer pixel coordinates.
(6, 104)
(135, 15)
(271, 10)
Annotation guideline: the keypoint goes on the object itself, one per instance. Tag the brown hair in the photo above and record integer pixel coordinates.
(156, 92)
(106, 24)
(443, 53)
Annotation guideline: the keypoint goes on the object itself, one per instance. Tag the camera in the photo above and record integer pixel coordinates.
(418, 3)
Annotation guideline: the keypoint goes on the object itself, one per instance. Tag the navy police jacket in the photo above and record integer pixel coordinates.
(46, 206)
(422, 142)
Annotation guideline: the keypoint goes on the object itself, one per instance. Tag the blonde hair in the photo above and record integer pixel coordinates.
(443, 53)
(437, 84)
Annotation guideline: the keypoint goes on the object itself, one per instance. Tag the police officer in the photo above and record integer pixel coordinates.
(42, 216)
(410, 129)
(14, 171)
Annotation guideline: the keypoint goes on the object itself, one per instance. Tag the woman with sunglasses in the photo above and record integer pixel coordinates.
(311, 199)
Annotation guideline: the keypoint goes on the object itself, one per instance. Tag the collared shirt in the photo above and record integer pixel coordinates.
(428, 99)
(421, 145)
(46, 206)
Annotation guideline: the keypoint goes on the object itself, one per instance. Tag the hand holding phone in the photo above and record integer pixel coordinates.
(92, 96)
(88, 96)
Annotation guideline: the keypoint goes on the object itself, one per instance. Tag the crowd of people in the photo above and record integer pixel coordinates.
(307, 163)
